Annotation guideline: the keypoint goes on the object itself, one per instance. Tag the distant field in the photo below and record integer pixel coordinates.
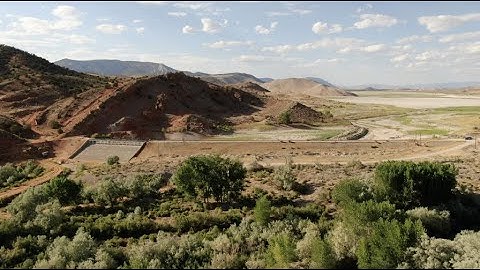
(409, 114)
(419, 102)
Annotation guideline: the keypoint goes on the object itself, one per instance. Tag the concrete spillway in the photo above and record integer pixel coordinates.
(100, 150)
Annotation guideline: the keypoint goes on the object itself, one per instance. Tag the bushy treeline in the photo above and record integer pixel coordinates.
(130, 223)
(11, 175)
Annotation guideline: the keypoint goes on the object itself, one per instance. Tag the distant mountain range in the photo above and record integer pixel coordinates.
(116, 67)
(447, 85)
(136, 68)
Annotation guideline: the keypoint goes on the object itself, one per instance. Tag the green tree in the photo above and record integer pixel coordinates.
(112, 160)
(351, 190)
(210, 176)
(408, 184)
(65, 190)
(386, 246)
(262, 210)
(285, 118)
(281, 251)
(322, 255)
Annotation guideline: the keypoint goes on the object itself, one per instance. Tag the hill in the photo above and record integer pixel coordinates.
(29, 83)
(226, 78)
(299, 86)
(320, 81)
(139, 69)
(116, 67)
(173, 102)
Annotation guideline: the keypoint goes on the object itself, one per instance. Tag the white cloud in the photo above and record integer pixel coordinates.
(375, 20)
(399, 58)
(192, 5)
(225, 44)
(187, 29)
(137, 21)
(111, 28)
(249, 58)
(140, 30)
(79, 39)
(460, 37)
(443, 23)
(279, 49)
(374, 48)
(69, 18)
(319, 28)
(430, 55)
(301, 11)
(210, 26)
(262, 30)
(277, 13)
(177, 14)
(364, 8)
(415, 38)
(160, 3)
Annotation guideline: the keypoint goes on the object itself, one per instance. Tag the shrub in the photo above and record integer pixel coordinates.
(108, 192)
(436, 253)
(262, 210)
(65, 190)
(281, 251)
(284, 177)
(322, 255)
(112, 160)
(409, 184)
(437, 223)
(351, 190)
(386, 245)
(285, 118)
(210, 176)
(54, 124)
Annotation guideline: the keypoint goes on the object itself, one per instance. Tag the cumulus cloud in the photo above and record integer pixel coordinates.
(374, 48)
(137, 21)
(375, 20)
(177, 14)
(79, 39)
(364, 8)
(443, 23)
(192, 5)
(249, 58)
(277, 13)
(415, 38)
(262, 30)
(210, 26)
(140, 30)
(226, 44)
(399, 58)
(159, 3)
(187, 29)
(460, 37)
(111, 28)
(67, 18)
(320, 27)
(278, 49)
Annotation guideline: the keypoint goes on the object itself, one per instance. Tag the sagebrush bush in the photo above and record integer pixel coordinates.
(436, 222)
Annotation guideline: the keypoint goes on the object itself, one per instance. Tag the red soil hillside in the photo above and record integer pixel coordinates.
(171, 102)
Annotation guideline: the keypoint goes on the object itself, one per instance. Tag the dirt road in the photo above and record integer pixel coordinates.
(51, 170)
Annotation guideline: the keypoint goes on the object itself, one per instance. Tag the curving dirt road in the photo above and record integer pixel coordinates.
(51, 170)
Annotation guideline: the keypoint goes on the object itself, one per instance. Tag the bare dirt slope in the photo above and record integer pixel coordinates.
(297, 86)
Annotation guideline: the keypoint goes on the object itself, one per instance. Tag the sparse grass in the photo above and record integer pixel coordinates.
(432, 131)
(327, 134)
(457, 110)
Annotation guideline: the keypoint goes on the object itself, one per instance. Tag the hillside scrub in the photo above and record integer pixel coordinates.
(140, 221)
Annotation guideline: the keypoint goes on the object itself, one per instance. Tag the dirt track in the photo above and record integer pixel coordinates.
(51, 170)
(304, 152)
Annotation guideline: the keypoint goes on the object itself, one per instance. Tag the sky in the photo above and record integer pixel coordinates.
(345, 43)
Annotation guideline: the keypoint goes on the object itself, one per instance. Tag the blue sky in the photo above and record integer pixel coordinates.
(346, 43)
